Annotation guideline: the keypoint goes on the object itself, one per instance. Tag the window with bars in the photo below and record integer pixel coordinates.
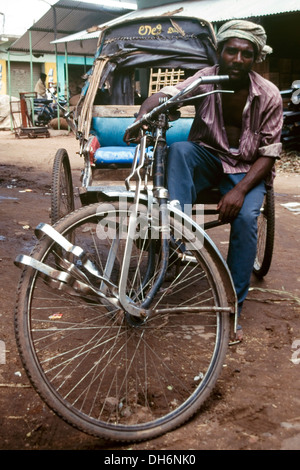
(160, 78)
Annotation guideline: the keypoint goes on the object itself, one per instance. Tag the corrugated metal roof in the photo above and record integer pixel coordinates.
(209, 10)
(64, 18)
(217, 10)
(70, 14)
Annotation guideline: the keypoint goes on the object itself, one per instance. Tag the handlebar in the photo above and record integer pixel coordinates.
(178, 99)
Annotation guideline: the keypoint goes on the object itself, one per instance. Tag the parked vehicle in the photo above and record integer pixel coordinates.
(115, 343)
(46, 109)
(291, 116)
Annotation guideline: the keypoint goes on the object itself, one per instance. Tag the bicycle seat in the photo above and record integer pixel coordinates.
(41, 101)
(208, 196)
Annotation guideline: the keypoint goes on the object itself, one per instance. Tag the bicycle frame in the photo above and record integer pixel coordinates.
(159, 124)
(158, 121)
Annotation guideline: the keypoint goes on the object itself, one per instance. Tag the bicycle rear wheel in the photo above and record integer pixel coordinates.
(265, 236)
(101, 369)
(62, 201)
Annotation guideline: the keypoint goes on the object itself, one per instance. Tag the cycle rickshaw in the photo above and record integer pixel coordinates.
(125, 306)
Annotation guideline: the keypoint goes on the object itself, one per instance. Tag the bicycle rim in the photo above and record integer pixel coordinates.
(62, 201)
(265, 236)
(103, 370)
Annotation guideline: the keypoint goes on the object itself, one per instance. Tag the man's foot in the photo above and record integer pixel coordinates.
(238, 336)
(239, 333)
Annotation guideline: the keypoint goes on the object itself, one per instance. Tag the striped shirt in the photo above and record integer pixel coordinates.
(261, 122)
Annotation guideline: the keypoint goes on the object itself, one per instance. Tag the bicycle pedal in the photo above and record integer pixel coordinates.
(77, 251)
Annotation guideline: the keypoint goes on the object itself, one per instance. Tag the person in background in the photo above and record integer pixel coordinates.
(40, 87)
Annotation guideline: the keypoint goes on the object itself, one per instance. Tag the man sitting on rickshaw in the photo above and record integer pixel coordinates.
(233, 144)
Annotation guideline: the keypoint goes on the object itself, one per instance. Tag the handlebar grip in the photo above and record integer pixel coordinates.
(212, 79)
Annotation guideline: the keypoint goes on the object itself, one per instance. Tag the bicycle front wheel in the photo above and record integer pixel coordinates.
(103, 370)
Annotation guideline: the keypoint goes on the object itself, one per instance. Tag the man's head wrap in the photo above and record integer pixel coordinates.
(246, 30)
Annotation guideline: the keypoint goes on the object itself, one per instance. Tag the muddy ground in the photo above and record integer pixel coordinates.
(256, 403)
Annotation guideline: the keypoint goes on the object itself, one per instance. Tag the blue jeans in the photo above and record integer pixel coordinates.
(192, 168)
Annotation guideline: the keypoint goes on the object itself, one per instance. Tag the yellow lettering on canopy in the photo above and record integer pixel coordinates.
(147, 30)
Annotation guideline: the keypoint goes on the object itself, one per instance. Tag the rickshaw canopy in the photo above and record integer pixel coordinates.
(126, 48)
(164, 42)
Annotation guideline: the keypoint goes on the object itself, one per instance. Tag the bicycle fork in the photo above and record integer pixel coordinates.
(162, 196)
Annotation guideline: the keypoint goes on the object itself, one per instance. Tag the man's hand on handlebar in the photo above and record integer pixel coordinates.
(150, 103)
(134, 136)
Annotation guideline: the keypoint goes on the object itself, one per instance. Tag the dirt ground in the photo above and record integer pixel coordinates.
(256, 403)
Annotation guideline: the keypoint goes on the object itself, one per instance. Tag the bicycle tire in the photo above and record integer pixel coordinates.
(103, 371)
(265, 236)
(62, 196)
